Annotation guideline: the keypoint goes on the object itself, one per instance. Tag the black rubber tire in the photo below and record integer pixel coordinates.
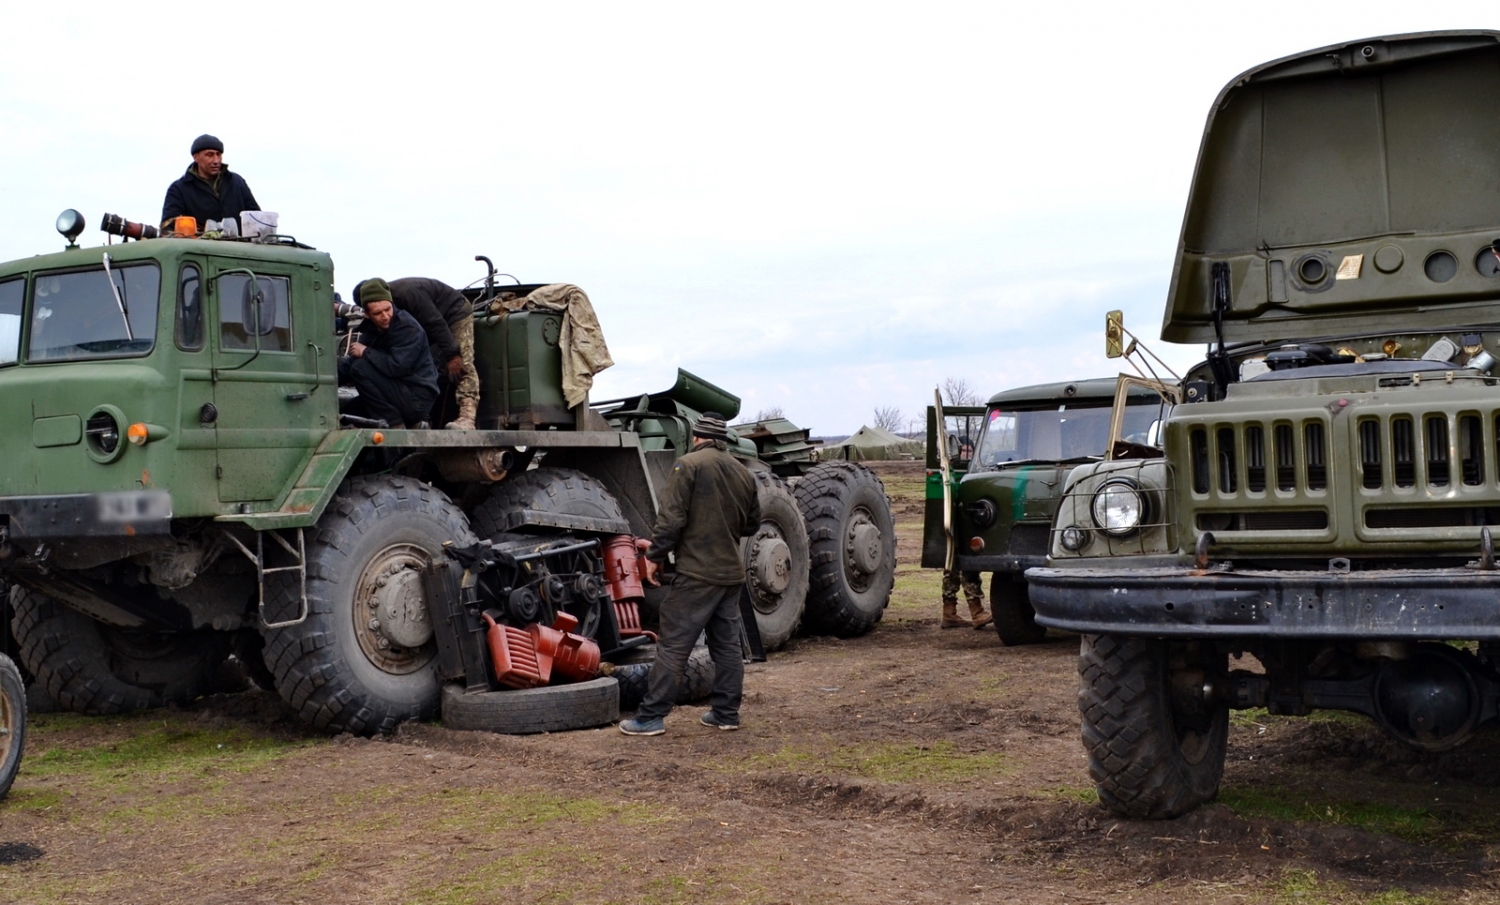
(1147, 759)
(12, 722)
(524, 711)
(564, 491)
(837, 500)
(697, 679)
(88, 667)
(1010, 605)
(321, 667)
(777, 614)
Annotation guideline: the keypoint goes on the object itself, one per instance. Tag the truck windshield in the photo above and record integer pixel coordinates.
(76, 315)
(1056, 434)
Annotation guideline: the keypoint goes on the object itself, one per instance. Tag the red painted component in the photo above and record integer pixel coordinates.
(527, 658)
(514, 656)
(625, 570)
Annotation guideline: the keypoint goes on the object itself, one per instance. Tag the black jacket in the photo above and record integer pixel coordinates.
(709, 503)
(400, 351)
(193, 196)
(438, 307)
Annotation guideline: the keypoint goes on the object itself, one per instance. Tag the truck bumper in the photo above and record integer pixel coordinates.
(127, 513)
(1176, 602)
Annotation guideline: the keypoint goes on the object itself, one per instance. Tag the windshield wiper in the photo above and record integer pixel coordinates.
(120, 301)
(1014, 462)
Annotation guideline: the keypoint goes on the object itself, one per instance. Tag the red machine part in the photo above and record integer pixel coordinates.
(528, 658)
(627, 571)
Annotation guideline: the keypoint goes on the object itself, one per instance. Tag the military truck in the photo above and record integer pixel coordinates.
(997, 515)
(1326, 495)
(182, 483)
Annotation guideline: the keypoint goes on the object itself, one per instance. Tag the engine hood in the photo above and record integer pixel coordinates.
(1348, 188)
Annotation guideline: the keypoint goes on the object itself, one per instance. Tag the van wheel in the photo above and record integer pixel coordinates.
(1010, 605)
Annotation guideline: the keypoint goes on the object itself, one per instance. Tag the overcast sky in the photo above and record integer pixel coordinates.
(826, 207)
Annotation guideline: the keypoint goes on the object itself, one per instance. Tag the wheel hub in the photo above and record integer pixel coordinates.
(770, 570)
(862, 545)
(391, 618)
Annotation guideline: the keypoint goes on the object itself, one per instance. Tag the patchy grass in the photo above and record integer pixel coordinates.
(935, 762)
(1079, 794)
(1302, 887)
(1413, 824)
(918, 594)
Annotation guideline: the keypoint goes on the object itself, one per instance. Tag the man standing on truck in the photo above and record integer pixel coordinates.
(389, 363)
(710, 502)
(208, 191)
(447, 316)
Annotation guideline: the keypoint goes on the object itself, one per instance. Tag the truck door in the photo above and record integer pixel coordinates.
(266, 426)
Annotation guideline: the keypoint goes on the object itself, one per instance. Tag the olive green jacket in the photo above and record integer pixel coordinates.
(710, 502)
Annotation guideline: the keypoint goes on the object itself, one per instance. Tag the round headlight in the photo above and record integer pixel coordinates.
(982, 513)
(1119, 507)
(1074, 538)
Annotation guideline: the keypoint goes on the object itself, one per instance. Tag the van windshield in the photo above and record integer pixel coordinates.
(1056, 434)
(75, 315)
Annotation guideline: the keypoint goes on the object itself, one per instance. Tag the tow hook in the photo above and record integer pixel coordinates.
(1200, 552)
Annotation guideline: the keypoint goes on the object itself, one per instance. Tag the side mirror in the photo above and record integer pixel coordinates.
(1114, 334)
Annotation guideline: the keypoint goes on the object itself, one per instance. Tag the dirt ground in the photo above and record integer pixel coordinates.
(910, 765)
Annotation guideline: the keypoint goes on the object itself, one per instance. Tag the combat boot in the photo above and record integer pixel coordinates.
(467, 410)
(951, 618)
(977, 613)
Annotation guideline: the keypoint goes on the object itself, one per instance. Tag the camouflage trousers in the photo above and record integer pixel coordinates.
(953, 579)
(468, 381)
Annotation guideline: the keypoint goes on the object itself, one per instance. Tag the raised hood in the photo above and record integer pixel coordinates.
(1351, 188)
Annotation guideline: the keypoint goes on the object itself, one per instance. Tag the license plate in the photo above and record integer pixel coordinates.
(135, 506)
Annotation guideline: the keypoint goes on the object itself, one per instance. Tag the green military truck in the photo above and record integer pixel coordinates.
(181, 483)
(1327, 495)
(1004, 490)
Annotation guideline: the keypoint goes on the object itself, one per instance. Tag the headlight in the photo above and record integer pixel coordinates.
(982, 513)
(1119, 507)
(1074, 538)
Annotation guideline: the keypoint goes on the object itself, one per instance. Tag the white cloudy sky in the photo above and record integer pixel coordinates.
(823, 206)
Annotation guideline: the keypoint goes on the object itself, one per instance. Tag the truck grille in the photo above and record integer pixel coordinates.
(1029, 540)
(1294, 458)
(1410, 471)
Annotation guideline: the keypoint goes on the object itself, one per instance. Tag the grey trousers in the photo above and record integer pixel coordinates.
(690, 608)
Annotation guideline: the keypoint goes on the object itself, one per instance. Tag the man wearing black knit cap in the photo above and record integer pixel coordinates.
(208, 191)
(709, 503)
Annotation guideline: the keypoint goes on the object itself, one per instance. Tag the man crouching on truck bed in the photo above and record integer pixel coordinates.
(709, 504)
(389, 364)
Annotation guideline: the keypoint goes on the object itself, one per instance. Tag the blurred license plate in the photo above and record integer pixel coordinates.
(135, 506)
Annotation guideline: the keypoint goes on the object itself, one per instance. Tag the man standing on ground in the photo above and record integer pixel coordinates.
(208, 191)
(447, 316)
(709, 504)
(389, 363)
(952, 580)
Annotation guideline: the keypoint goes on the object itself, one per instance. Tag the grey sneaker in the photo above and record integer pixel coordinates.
(713, 721)
(657, 726)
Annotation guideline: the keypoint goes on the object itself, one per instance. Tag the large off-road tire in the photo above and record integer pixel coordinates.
(852, 539)
(89, 667)
(1153, 752)
(564, 491)
(697, 678)
(366, 659)
(12, 722)
(777, 563)
(551, 708)
(1010, 605)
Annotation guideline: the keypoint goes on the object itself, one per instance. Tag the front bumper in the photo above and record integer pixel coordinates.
(128, 513)
(1176, 602)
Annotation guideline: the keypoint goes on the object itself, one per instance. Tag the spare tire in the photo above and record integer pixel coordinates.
(776, 563)
(525, 711)
(697, 679)
(563, 491)
(852, 540)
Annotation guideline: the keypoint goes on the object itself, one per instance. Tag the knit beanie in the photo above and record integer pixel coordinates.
(206, 142)
(711, 427)
(374, 290)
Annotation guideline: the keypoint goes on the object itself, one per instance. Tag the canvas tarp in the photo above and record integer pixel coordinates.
(872, 443)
